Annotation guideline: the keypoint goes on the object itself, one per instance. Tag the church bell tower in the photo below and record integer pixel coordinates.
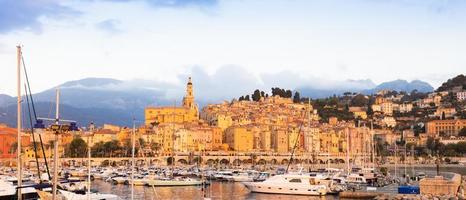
(188, 100)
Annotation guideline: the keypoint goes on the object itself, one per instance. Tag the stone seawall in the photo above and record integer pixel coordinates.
(440, 186)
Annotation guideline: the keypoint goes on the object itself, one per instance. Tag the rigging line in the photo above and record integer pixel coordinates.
(32, 133)
(296, 143)
(29, 87)
(35, 114)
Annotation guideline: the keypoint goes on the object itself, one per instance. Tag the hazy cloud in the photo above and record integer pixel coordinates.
(25, 14)
(175, 3)
(109, 26)
(225, 83)
(182, 3)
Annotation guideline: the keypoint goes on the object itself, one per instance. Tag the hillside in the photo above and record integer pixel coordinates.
(458, 81)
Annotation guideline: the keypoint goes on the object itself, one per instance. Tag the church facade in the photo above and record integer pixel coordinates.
(188, 112)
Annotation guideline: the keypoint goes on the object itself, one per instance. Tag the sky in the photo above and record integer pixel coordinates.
(241, 43)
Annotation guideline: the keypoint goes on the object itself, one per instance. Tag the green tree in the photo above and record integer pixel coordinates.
(370, 112)
(77, 148)
(434, 145)
(13, 148)
(155, 146)
(296, 98)
(256, 96)
(359, 100)
(462, 132)
(246, 98)
(170, 161)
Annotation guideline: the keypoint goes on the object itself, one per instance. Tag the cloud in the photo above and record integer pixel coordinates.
(225, 83)
(109, 26)
(232, 81)
(182, 3)
(175, 3)
(25, 14)
(437, 7)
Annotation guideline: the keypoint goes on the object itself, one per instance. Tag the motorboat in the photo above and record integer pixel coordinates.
(356, 179)
(178, 181)
(223, 175)
(247, 176)
(103, 174)
(242, 177)
(119, 179)
(8, 191)
(93, 196)
(289, 184)
(262, 177)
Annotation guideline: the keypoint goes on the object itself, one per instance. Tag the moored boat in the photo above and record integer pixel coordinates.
(174, 182)
(289, 184)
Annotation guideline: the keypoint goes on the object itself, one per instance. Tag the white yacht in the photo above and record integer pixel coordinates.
(174, 182)
(242, 177)
(223, 175)
(247, 176)
(103, 174)
(8, 191)
(289, 184)
(356, 179)
(119, 179)
(93, 196)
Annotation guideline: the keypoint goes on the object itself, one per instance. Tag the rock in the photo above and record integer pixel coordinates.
(425, 198)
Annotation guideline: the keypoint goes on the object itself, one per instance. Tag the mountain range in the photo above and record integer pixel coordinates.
(367, 87)
(104, 100)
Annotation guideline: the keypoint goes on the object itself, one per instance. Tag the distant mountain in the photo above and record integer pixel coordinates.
(402, 85)
(5, 100)
(458, 81)
(366, 87)
(104, 100)
(102, 93)
(98, 100)
(83, 116)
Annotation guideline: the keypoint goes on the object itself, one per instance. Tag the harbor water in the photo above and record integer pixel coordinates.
(217, 190)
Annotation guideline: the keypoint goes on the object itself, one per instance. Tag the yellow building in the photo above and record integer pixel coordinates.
(102, 135)
(294, 138)
(187, 113)
(240, 138)
(279, 140)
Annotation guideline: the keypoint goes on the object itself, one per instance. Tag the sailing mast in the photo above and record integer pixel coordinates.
(372, 145)
(18, 150)
(132, 159)
(89, 161)
(347, 150)
(55, 154)
(173, 139)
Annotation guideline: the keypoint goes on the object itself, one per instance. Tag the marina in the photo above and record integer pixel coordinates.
(154, 183)
(211, 130)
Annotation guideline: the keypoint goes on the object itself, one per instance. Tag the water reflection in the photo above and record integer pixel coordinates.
(218, 190)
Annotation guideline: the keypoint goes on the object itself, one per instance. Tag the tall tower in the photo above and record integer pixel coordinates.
(188, 100)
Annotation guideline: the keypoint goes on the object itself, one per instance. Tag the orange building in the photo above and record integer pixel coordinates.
(447, 127)
(8, 140)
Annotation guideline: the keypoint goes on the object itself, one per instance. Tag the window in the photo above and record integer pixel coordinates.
(295, 180)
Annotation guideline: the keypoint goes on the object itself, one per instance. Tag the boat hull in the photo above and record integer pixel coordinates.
(258, 187)
(162, 183)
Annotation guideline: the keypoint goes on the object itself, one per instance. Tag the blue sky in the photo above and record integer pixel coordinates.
(298, 42)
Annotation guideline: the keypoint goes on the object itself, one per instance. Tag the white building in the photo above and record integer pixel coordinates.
(461, 96)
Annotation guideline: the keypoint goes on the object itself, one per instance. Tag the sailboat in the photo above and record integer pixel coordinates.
(29, 192)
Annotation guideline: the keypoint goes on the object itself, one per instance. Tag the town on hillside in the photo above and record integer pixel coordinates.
(421, 125)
